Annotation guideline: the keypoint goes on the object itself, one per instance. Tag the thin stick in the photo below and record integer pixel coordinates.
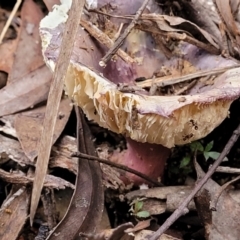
(178, 212)
(228, 170)
(116, 165)
(120, 40)
(103, 38)
(54, 98)
(169, 80)
(110, 15)
(10, 18)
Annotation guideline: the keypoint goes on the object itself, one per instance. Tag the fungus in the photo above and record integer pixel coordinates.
(163, 120)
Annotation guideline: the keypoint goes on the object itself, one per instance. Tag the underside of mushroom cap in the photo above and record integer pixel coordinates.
(155, 119)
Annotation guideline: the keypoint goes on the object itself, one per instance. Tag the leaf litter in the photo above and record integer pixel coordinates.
(166, 47)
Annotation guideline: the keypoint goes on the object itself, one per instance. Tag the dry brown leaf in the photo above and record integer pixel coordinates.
(140, 226)
(7, 50)
(61, 154)
(157, 192)
(29, 127)
(28, 55)
(13, 214)
(25, 92)
(11, 149)
(226, 13)
(110, 234)
(167, 23)
(161, 199)
(206, 17)
(18, 177)
(145, 234)
(235, 4)
(224, 223)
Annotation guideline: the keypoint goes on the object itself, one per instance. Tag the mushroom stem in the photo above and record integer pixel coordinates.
(146, 158)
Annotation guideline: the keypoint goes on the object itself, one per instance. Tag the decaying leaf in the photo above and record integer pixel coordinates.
(87, 200)
(14, 213)
(29, 127)
(21, 178)
(167, 23)
(110, 234)
(11, 149)
(26, 91)
(226, 14)
(157, 193)
(145, 234)
(161, 199)
(206, 16)
(7, 50)
(28, 52)
(224, 222)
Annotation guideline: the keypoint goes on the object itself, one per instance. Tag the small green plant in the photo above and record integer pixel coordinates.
(136, 209)
(199, 149)
(207, 153)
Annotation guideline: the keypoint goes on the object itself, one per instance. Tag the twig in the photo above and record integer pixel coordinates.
(120, 40)
(179, 36)
(169, 80)
(111, 15)
(116, 165)
(104, 39)
(228, 170)
(174, 35)
(178, 212)
(186, 88)
(214, 200)
(54, 98)
(10, 18)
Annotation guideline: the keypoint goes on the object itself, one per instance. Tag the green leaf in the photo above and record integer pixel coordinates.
(208, 147)
(138, 206)
(196, 146)
(143, 214)
(185, 161)
(213, 155)
(206, 155)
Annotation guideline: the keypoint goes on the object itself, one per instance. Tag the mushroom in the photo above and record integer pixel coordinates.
(164, 121)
